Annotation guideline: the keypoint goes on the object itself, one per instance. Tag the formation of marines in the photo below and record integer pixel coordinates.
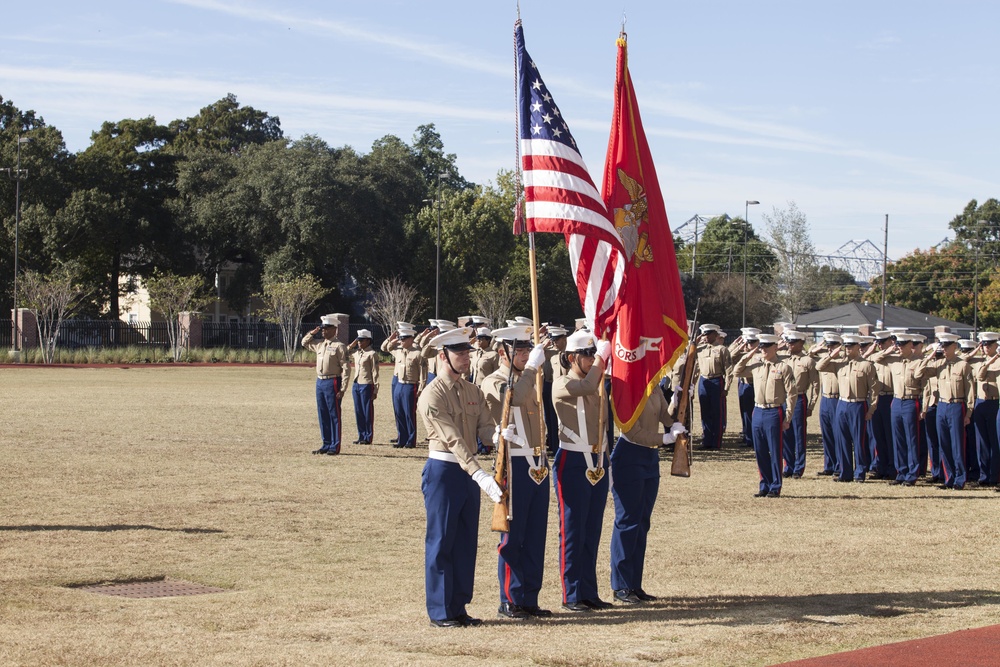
(891, 407)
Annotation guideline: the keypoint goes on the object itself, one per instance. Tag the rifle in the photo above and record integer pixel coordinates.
(681, 465)
(501, 474)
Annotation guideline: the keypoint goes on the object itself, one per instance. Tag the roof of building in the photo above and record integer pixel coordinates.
(852, 315)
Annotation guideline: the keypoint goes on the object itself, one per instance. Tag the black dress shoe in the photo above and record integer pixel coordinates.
(597, 604)
(409, 446)
(774, 494)
(627, 596)
(787, 473)
(397, 446)
(796, 475)
(945, 487)
(895, 482)
(332, 452)
(446, 623)
(644, 596)
(909, 483)
(356, 442)
(394, 440)
(576, 606)
(508, 610)
(537, 612)
(936, 480)
(824, 473)
(760, 494)
(469, 622)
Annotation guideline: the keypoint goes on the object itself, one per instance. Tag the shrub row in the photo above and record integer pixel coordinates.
(144, 355)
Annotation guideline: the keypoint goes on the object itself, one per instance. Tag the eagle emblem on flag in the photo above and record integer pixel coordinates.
(630, 218)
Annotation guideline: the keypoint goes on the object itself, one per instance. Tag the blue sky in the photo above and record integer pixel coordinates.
(852, 110)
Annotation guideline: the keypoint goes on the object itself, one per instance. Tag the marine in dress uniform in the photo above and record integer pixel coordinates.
(881, 440)
(714, 365)
(581, 486)
(930, 428)
(554, 345)
(364, 382)
(828, 402)
(807, 395)
(484, 358)
(986, 413)
(774, 388)
(521, 552)
(408, 379)
(859, 388)
(332, 373)
(635, 470)
(454, 413)
(956, 399)
(967, 351)
(907, 392)
(744, 385)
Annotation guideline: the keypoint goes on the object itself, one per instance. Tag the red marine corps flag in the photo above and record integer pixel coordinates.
(651, 324)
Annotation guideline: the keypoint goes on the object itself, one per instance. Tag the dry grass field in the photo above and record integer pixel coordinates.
(204, 474)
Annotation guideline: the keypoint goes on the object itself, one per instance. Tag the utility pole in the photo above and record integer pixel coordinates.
(885, 260)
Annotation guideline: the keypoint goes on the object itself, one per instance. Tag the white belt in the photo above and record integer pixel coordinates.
(442, 456)
(517, 450)
(575, 447)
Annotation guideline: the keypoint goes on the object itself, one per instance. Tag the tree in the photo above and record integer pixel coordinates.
(392, 301)
(796, 267)
(224, 126)
(50, 297)
(833, 287)
(937, 281)
(171, 295)
(286, 301)
(719, 300)
(720, 250)
(432, 161)
(496, 301)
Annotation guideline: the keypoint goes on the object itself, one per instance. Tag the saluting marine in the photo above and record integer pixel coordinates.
(713, 364)
(484, 358)
(408, 379)
(744, 386)
(774, 388)
(830, 388)
(332, 372)
(985, 414)
(521, 552)
(364, 379)
(578, 471)
(906, 392)
(807, 393)
(859, 389)
(454, 413)
(956, 399)
(881, 439)
(554, 345)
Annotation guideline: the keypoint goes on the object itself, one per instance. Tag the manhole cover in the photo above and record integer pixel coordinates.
(160, 588)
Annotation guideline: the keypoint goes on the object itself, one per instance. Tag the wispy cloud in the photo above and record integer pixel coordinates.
(882, 42)
(429, 49)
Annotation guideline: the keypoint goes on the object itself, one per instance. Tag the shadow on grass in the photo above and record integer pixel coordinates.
(743, 610)
(30, 528)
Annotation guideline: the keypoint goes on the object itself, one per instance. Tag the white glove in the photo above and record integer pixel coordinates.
(675, 430)
(536, 358)
(510, 435)
(673, 404)
(496, 436)
(604, 350)
(488, 485)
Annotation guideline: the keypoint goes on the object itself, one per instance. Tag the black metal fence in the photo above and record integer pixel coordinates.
(6, 334)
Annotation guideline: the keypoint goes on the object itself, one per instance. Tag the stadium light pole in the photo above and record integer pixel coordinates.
(17, 175)
(746, 227)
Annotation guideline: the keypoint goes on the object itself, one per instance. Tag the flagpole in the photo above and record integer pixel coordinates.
(540, 451)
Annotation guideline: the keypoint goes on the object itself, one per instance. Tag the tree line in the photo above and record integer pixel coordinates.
(226, 186)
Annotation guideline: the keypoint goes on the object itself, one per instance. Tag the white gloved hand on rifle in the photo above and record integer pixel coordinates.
(670, 436)
(496, 436)
(510, 435)
(674, 401)
(536, 357)
(488, 485)
(604, 350)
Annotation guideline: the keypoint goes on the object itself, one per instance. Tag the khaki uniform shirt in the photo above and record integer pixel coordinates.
(331, 358)
(410, 367)
(524, 413)
(714, 361)
(857, 379)
(955, 382)
(429, 354)
(551, 367)
(565, 392)
(986, 379)
(930, 393)
(773, 381)
(884, 373)
(484, 362)
(645, 430)
(454, 413)
(902, 374)
(806, 376)
(365, 366)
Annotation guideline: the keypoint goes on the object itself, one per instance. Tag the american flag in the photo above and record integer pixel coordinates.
(560, 196)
